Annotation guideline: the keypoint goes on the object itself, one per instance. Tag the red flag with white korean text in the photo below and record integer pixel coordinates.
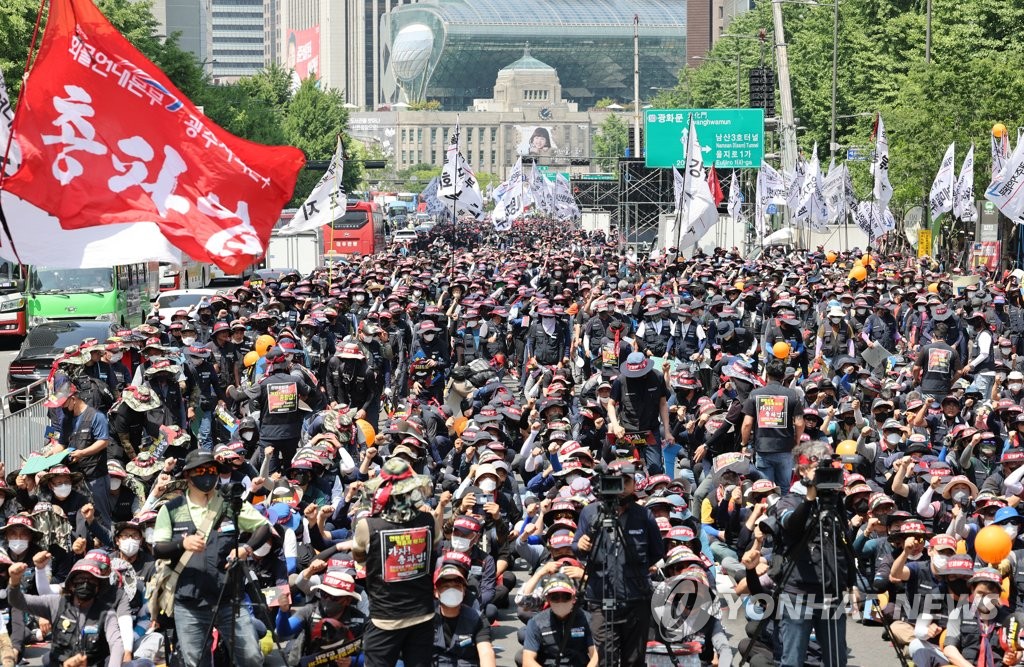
(106, 138)
(715, 186)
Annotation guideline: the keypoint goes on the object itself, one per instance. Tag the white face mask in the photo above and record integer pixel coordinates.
(488, 485)
(1015, 387)
(462, 544)
(262, 551)
(417, 293)
(359, 298)
(116, 357)
(429, 337)
(451, 597)
(115, 483)
(189, 340)
(62, 491)
(17, 546)
(561, 609)
(939, 561)
(1011, 530)
(129, 547)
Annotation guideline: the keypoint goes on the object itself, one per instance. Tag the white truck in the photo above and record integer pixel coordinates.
(303, 251)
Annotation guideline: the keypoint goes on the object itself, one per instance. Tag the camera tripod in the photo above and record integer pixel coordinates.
(828, 522)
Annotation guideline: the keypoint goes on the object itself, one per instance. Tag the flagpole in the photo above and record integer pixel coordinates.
(330, 233)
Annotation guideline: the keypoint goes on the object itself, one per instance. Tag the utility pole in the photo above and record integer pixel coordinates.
(636, 87)
(787, 139)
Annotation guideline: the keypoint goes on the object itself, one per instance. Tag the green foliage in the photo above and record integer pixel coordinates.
(975, 79)
(313, 120)
(604, 103)
(425, 105)
(610, 141)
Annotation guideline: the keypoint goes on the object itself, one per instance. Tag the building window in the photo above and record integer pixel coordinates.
(721, 11)
(494, 134)
(419, 134)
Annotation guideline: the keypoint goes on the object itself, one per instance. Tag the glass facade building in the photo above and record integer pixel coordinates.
(451, 50)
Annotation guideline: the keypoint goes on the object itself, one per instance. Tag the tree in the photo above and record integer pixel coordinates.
(425, 105)
(604, 103)
(611, 142)
(312, 123)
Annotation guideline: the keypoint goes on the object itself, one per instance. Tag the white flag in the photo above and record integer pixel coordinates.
(794, 188)
(325, 202)
(1007, 189)
(1000, 151)
(698, 213)
(564, 201)
(963, 193)
(458, 186)
(873, 220)
(812, 207)
(882, 191)
(735, 197)
(513, 195)
(6, 121)
(941, 198)
(771, 189)
(834, 193)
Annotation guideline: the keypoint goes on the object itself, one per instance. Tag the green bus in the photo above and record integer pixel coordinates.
(121, 294)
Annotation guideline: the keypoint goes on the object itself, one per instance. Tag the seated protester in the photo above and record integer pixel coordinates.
(331, 617)
(695, 604)
(462, 636)
(919, 572)
(972, 636)
(125, 497)
(560, 635)
(481, 580)
(720, 519)
(953, 574)
(85, 629)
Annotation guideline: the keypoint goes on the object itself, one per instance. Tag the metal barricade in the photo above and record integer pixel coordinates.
(22, 428)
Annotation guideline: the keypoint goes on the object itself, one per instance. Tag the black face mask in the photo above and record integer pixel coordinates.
(85, 589)
(302, 478)
(958, 586)
(205, 483)
(883, 416)
(860, 507)
(849, 420)
(332, 607)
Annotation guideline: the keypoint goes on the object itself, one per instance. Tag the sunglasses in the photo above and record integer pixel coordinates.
(203, 470)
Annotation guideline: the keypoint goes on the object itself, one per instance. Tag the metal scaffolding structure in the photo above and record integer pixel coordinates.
(644, 196)
(597, 194)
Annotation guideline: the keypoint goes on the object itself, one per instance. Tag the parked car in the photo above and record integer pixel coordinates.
(44, 343)
(171, 301)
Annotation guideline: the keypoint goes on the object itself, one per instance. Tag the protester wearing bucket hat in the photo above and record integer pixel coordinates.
(83, 617)
(639, 408)
(401, 607)
(573, 641)
(773, 423)
(457, 619)
(190, 530)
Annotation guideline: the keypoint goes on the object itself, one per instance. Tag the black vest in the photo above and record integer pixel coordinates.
(205, 570)
(95, 466)
(459, 651)
(574, 649)
(90, 638)
(656, 342)
(398, 560)
(688, 340)
(834, 344)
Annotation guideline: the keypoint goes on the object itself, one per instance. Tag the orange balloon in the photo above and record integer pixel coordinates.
(992, 544)
(847, 448)
(933, 288)
(858, 273)
(830, 257)
(998, 130)
(460, 424)
(369, 434)
(781, 350)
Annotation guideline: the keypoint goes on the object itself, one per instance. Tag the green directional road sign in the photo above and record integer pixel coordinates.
(730, 138)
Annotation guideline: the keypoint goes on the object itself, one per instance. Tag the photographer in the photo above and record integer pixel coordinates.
(812, 594)
(623, 567)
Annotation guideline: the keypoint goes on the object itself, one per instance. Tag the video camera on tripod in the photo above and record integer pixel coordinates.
(828, 478)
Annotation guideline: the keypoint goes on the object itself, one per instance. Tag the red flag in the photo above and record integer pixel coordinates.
(715, 186)
(107, 138)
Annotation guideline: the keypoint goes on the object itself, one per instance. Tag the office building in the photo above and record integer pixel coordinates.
(237, 38)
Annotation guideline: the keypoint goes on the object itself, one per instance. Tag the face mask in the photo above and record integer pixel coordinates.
(451, 597)
(561, 609)
(1011, 531)
(17, 546)
(549, 321)
(462, 544)
(958, 586)
(359, 298)
(893, 439)
(429, 338)
(205, 483)
(1006, 350)
(190, 340)
(234, 309)
(849, 420)
(471, 324)
(332, 607)
(1015, 387)
(129, 547)
(922, 309)
(115, 483)
(939, 561)
(488, 485)
(116, 357)
(262, 551)
(86, 590)
(62, 491)
(961, 498)
(860, 507)
(148, 535)
(883, 416)
(836, 320)
(915, 556)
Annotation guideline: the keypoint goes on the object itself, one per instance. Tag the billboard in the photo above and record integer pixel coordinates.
(535, 140)
(302, 53)
(730, 138)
